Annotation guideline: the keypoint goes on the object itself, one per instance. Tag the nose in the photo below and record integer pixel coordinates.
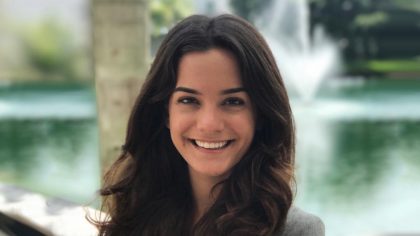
(210, 120)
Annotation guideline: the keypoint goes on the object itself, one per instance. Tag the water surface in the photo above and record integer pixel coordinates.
(358, 162)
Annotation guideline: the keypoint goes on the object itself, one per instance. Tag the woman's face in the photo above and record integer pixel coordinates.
(211, 118)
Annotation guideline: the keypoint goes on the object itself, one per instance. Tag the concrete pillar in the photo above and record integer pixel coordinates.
(121, 55)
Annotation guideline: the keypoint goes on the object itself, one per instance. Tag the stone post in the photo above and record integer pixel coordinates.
(121, 55)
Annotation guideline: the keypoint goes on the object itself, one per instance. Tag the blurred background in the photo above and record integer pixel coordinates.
(352, 69)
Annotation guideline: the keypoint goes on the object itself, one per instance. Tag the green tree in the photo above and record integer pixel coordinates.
(50, 50)
(371, 29)
(165, 13)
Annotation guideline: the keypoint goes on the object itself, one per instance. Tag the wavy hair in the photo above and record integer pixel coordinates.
(147, 190)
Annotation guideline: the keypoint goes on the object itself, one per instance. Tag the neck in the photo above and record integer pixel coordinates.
(203, 195)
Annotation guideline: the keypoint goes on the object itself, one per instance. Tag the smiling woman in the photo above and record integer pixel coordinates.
(211, 120)
(210, 143)
(211, 128)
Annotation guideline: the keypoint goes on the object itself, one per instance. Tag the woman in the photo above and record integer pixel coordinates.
(210, 142)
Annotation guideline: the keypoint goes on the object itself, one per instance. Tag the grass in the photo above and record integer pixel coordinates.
(384, 66)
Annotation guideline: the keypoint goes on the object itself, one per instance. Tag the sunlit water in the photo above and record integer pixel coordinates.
(358, 161)
(49, 140)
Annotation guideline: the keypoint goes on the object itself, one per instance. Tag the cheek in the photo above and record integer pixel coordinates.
(244, 125)
(178, 121)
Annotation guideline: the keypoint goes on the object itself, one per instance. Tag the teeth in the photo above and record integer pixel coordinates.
(212, 145)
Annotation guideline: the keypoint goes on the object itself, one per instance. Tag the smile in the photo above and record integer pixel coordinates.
(211, 145)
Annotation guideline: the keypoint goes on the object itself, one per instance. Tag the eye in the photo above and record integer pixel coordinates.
(187, 100)
(233, 101)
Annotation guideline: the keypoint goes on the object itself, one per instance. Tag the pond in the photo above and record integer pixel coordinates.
(49, 140)
(358, 162)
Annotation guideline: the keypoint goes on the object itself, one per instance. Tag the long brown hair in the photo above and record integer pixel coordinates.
(147, 190)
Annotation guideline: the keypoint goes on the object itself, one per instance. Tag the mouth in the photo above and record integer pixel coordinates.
(218, 145)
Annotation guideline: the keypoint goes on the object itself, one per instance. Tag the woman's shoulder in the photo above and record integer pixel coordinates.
(301, 223)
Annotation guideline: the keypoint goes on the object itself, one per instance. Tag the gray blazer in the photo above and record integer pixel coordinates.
(300, 223)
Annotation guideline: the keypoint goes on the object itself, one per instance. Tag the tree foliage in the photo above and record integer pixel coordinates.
(165, 13)
(370, 29)
(51, 52)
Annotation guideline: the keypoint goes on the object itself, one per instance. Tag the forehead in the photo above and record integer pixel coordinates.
(211, 68)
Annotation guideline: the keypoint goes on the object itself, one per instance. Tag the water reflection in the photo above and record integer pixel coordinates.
(363, 154)
(50, 153)
(361, 151)
(361, 167)
(363, 171)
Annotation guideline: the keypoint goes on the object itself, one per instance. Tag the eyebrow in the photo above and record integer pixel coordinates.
(224, 92)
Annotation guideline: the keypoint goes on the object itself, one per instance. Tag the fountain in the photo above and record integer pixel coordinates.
(303, 62)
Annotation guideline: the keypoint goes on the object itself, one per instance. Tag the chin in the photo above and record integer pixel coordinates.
(213, 173)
